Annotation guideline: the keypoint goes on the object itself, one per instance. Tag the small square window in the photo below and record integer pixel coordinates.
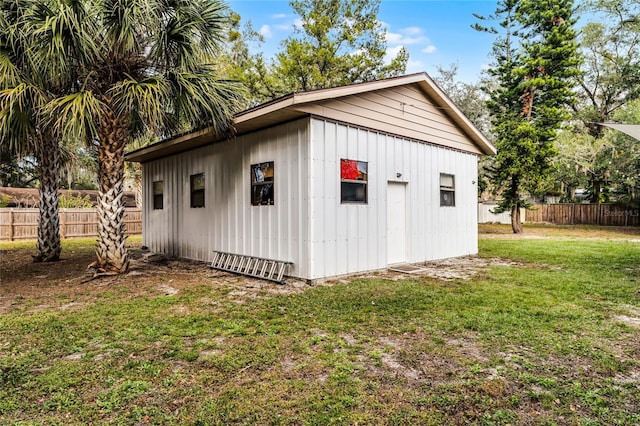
(197, 190)
(158, 195)
(262, 180)
(447, 190)
(354, 177)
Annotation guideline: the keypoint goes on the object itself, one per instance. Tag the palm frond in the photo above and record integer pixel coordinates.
(125, 24)
(63, 38)
(200, 99)
(9, 72)
(20, 108)
(76, 115)
(188, 31)
(143, 101)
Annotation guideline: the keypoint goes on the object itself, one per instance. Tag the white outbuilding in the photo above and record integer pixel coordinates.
(335, 181)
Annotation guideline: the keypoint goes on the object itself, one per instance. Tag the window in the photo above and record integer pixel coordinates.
(158, 189)
(353, 181)
(197, 190)
(447, 190)
(262, 184)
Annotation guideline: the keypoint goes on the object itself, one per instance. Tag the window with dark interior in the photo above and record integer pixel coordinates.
(158, 194)
(447, 190)
(262, 184)
(197, 190)
(353, 181)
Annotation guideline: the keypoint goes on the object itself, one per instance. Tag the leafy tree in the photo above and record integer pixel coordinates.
(472, 101)
(70, 201)
(17, 171)
(624, 154)
(141, 66)
(339, 42)
(610, 77)
(581, 158)
(469, 97)
(535, 62)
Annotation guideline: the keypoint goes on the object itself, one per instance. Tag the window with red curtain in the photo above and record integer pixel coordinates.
(354, 177)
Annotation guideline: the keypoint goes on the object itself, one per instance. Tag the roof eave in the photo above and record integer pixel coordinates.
(452, 110)
(243, 119)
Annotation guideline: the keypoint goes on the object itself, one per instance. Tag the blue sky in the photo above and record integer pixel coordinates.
(435, 32)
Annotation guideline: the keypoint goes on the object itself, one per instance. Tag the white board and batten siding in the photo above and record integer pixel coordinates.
(404, 111)
(348, 238)
(229, 222)
(407, 142)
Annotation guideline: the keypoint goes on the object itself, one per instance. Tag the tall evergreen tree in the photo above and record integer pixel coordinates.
(536, 62)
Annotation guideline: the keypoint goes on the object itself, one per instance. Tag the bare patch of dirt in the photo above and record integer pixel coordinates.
(548, 231)
(66, 284)
(631, 321)
(457, 268)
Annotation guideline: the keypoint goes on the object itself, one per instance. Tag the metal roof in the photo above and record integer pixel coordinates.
(632, 130)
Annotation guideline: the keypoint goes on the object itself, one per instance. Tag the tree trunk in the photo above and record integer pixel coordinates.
(111, 249)
(516, 223)
(137, 183)
(595, 197)
(48, 245)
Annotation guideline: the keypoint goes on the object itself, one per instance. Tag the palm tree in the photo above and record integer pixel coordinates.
(24, 90)
(140, 66)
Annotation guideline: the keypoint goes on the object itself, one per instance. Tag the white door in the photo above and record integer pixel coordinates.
(396, 223)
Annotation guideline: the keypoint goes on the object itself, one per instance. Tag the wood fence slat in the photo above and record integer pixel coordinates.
(11, 225)
(584, 214)
(20, 224)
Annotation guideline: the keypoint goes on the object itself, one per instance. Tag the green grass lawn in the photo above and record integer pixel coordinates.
(552, 339)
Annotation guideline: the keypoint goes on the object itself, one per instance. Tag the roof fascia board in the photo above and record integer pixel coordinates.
(452, 110)
(143, 152)
(324, 94)
(428, 85)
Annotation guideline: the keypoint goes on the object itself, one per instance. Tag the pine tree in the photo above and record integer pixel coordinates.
(536, 62)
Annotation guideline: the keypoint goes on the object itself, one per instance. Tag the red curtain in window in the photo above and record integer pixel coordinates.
(349, 169)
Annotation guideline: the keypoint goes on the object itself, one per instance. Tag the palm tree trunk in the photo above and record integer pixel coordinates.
(48, 246)
(111, 249)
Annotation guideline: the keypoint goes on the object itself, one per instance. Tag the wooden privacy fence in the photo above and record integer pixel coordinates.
(22, 224)
(584, 214)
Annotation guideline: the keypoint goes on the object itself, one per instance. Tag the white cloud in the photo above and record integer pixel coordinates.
(265, 31)
(282, 27)
(429, 49)
(406, 36)
(279, 16)
(394, 38)
(415, 66)
(298, 23)
(413, 31)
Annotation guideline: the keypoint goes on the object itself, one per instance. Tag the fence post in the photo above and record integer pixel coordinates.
(10, 224)
(63, 223)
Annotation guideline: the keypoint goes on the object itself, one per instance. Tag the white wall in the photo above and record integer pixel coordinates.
(308, 225)
(348, 238)
(486, 216)
(229, 222)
